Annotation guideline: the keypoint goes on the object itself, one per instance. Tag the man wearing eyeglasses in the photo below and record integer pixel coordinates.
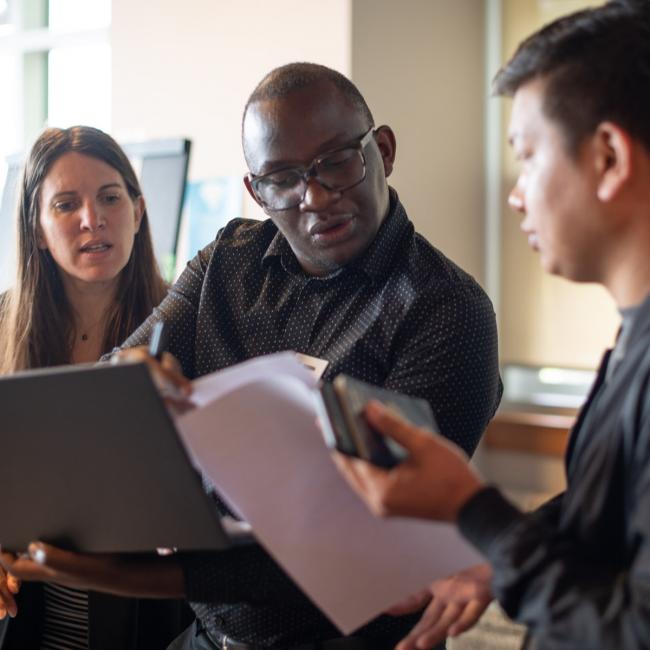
(336, 273)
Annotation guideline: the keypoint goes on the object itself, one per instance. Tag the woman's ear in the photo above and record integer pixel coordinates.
(614, 159)
(139, 207)
(40, 240)
(385, 139)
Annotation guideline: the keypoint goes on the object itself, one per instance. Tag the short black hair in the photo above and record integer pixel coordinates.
(596, 66)
(291, 77)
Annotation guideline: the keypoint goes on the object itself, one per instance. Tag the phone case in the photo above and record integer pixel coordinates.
(345, 426)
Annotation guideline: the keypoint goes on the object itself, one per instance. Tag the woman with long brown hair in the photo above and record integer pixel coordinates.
(86, 273)
(86, 278)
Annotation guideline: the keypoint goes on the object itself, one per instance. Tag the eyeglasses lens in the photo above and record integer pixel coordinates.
(286, 188)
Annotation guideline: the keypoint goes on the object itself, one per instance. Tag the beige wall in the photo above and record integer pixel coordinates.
(420, 65)
(544, 320)
(187, 68)
(190, 71)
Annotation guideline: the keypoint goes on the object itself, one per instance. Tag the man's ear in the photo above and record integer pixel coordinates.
(249, 187)
(613, 155)
(385, 139)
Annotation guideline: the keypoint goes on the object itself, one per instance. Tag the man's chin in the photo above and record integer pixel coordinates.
(326, 260)
(325, 267)
(552, 267)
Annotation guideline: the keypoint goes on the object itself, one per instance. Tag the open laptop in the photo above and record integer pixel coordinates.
(90, 461)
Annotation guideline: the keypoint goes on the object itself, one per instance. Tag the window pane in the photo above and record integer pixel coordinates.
(34, 94)
(79, 86)
(11, 141)
(72, 15)
(11, 135)
(6, 19)
(33, 14)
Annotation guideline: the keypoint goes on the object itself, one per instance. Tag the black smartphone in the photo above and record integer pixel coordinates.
(346, 428)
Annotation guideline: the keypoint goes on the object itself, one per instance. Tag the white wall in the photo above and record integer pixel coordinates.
(419, 63)
(186, 69)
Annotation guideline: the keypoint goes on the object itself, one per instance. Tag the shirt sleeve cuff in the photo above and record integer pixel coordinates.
(485, 517)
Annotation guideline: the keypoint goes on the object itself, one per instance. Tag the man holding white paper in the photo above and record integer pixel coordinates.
(337, 273)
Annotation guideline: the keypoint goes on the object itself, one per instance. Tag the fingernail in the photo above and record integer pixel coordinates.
(373, 405)
(37, 553)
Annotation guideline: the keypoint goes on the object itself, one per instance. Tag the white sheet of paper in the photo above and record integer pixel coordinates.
(261, 447)
(282, 364)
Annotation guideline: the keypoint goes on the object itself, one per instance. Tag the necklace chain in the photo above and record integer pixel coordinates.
(85, 334)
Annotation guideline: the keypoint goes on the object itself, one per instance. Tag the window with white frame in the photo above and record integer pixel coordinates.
(55, 70)
(55, 67)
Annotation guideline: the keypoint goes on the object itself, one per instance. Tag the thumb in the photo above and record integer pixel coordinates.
(387, 422)
(13, 584)
(52, 557)
(38, 553)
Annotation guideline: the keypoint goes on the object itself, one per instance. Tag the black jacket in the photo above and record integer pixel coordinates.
(577, 571)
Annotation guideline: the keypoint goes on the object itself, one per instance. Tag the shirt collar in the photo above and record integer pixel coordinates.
(374, 262)
(279, 249)
(639, 322)
(378, 258)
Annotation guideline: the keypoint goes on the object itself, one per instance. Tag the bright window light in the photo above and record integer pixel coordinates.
(79, 86)
(75, 15)
(11, 136)
(565, 376)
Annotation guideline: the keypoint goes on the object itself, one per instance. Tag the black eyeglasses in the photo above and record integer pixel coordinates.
(337, 170)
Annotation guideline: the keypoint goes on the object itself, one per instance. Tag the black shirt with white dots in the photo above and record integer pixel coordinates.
(401, 316)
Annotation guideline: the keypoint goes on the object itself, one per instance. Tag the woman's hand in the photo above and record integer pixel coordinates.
(149, 576)
(9, 587)
(167, 375)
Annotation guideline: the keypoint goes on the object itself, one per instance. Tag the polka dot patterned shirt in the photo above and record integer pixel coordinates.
(401, 316)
